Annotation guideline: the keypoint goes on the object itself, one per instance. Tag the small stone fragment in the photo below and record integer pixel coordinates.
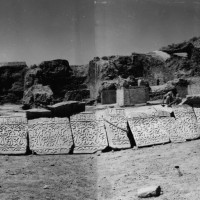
(178, 170)
(98, 153)
(46, 187)
(151, 191)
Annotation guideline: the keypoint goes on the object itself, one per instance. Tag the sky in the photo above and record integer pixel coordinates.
(78, 30)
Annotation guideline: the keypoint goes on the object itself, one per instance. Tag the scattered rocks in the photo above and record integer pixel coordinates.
(151, 191)
(12, 81)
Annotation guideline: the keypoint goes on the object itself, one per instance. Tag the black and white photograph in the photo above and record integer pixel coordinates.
(99, 99)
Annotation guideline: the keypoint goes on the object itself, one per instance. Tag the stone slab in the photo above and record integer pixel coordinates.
(192, 99)
(88, 132)
(186, 121)
(183, 111)
(148, 131)
(154, 111)
(162, 111)
(189, 129)
(115, 111)
(13, 135)
(50, 135)
(150, 191)
(66, 108)
(117, 132)
(37, 113)
(173, 128)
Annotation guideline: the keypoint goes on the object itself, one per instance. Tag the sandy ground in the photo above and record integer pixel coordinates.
(111, 175)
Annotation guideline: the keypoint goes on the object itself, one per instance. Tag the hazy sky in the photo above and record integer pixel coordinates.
(78, 30)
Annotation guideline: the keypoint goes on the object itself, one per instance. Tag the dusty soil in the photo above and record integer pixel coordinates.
(111, 175)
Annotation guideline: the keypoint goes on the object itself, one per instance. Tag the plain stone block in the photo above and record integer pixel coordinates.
(66, 108)
(37, 113)
(151, 191)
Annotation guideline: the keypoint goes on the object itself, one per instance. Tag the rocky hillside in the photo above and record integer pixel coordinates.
(184, 67)
(53, 81)
(12, 81)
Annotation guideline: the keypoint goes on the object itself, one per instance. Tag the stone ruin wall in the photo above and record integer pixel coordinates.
(132, 96)
(160, 73)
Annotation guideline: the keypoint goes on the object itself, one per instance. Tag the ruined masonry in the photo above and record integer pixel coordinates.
(13, 135)
(50, 135)
(88, 133)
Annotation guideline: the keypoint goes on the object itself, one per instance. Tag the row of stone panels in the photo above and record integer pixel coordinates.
(84, 133)
(90, 132)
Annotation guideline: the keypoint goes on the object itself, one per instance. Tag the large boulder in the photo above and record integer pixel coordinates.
(12, 81)
(56, 73)
(65, 82)
(37, 96)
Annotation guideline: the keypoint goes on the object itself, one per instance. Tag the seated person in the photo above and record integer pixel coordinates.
(177, 100)
(168, 98)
